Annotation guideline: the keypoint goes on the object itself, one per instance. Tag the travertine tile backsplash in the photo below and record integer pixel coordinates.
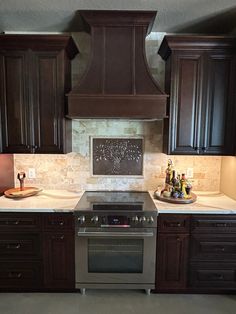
(72, 171)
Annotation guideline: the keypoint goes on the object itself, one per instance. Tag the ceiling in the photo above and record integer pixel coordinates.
(174, 16)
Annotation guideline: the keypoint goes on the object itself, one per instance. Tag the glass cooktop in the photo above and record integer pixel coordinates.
(116, 201)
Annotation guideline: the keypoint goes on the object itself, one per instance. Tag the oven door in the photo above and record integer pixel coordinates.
(115, 255)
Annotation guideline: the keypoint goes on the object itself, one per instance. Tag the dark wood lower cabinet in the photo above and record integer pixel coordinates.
(196, 253)
(172, 261)
(59, 260)
(172, 252)
(21, 275)
(37, 252)
(212, 276)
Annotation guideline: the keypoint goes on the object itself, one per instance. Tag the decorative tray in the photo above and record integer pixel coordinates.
(191, 199)
(25, 192)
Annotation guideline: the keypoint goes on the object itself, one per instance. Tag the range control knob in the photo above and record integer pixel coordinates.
(142, 219)
(81, 219)
(94, 219)
(135, 219)
(150, 220)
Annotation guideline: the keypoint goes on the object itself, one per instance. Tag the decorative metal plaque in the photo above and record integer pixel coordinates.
(117, 156)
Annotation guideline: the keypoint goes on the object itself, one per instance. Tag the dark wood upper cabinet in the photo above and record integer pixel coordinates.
(34, 78)
(200, 79)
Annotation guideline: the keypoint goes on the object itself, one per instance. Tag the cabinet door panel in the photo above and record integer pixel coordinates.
(47, 71)
(173, 223)
(185, 104)
(19, 222)
(172, 256)
(14, 102)
(213, 224)
(58, 222)
(20, 245)
(59, 260)
(212, 247)
(212, 276)
(217, 108)
(20, 275)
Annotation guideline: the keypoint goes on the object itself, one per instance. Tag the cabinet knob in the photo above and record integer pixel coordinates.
(204, 149)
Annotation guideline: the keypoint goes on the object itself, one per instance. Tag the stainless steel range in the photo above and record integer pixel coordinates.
(115, 242)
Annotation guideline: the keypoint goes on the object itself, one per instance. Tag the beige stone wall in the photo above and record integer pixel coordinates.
(228, 176)
(72, 171)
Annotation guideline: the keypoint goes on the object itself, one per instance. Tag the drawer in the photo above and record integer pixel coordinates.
(213, 224)
(19, 221)
(213, 275)
(174, 223)
(57, 222)
(14, 275)
(20, 245)
(213, 247)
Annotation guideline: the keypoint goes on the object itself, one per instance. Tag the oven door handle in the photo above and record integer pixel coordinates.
(97, 234)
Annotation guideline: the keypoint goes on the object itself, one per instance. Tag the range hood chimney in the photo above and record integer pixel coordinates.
(117, 83)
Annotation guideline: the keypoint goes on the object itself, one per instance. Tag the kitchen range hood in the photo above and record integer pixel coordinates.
(117, 83)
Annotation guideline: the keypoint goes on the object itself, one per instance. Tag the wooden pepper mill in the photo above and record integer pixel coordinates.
(21, 176)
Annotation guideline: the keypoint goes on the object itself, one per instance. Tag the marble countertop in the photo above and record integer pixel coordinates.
(65, 201)
(45, 201)
(206, 203)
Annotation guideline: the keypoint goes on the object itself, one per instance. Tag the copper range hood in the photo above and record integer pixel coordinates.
(117, 83)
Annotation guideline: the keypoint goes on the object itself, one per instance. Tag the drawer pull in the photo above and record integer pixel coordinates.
(14, 274)
(13, 246)
(220, 249)
(12, 222)
(217, 276)
(221, 224)
(174, 224)
(60, 223)
(58, 237)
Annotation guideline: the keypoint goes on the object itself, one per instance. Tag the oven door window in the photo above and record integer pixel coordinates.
(115, 255)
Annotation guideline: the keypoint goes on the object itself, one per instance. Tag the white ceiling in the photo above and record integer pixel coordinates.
(186, 16)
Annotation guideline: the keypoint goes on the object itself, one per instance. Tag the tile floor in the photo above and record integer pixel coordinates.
(115, 302)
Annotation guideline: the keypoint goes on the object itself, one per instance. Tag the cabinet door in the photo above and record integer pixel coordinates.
(185, 103)
(172, 258)
(20, 275)
(59, 259)
(213, 276)
(48, 101)
(217, 134)
(14, 102)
